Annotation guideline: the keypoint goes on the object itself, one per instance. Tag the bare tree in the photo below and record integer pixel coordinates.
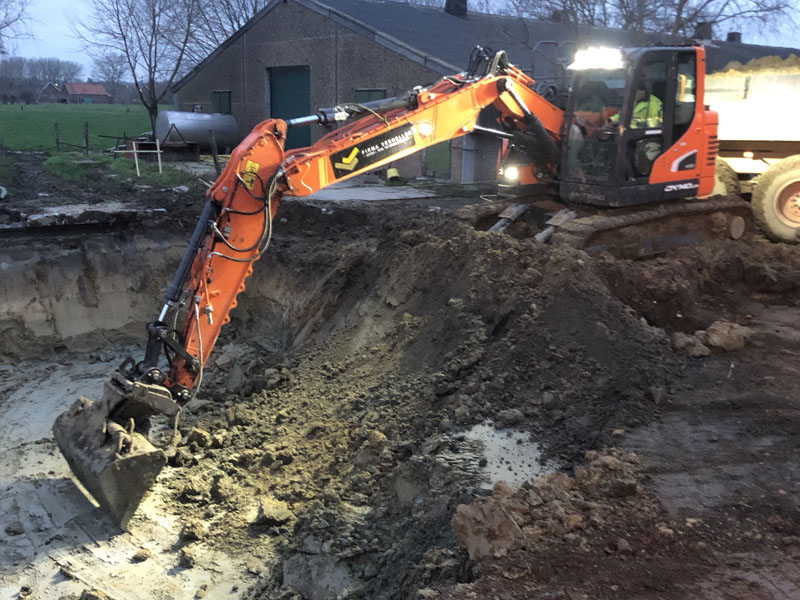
(678, 17)
(669, 17)
(71, 70)
(45, 70)
(110, 68)
(152, 35)
(217, 20)
(13, 19)
(12, 77)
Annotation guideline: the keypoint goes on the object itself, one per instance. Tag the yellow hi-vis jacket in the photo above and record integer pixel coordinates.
(648, 113)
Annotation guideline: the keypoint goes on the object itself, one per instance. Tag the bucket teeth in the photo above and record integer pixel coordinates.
(116, 465)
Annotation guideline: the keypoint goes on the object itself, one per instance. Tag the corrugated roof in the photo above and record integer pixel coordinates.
(444, 42)
(451, 38)
(94, 89)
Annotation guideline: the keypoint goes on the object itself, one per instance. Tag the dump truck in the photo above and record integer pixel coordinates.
(759, 141)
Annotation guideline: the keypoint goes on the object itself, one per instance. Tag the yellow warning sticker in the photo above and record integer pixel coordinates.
(250, 174)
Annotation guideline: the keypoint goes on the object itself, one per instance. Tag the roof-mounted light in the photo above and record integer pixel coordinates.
(597, 58)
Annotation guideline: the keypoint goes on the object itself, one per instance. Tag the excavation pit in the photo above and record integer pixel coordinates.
(326, 453)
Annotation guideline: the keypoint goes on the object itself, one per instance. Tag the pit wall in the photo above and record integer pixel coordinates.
(100, 289)
(81, 292)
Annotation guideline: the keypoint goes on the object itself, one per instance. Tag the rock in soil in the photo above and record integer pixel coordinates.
(727, 336)
(141, 555)
(269, 512)
(188, 558)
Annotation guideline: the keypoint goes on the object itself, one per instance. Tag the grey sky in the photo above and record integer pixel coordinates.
(53, 38)
(51, 33)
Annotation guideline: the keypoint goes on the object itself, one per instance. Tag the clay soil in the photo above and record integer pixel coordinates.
(332, 445)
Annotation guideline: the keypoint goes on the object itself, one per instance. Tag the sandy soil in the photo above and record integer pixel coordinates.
(388, 367)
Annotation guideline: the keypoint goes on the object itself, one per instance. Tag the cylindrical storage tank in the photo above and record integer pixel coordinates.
(175, 127)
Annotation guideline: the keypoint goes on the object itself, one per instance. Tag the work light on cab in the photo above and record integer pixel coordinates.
(597, 58)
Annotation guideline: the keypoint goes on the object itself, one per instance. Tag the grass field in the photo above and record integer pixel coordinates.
(32, 127)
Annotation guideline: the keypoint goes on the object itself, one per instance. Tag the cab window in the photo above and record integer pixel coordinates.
(649, 94)
(685, 93)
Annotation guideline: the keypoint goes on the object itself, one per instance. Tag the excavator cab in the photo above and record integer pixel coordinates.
(635, 129)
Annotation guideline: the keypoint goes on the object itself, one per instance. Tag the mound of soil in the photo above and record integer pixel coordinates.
(360, 431)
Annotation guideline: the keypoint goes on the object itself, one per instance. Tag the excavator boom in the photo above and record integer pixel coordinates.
(102, 440)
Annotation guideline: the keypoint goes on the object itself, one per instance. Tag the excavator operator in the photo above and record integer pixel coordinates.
(648, 110)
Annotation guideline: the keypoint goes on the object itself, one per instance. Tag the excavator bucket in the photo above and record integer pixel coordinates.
(114, 463)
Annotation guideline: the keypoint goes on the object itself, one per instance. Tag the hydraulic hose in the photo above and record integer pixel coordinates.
(176, 285)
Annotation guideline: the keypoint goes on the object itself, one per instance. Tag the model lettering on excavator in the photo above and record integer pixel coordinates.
(105, 441)
(675, 187)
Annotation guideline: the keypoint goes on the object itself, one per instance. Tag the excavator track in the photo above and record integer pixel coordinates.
(654, 230)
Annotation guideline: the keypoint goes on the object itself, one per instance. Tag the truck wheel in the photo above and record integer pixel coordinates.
(726, 182)
(776, 201)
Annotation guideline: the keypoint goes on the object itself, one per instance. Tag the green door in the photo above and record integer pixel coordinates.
(290, 97)
(437, 160)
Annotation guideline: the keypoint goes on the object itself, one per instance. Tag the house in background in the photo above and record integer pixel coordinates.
(76, 93)
(53, 92)
(296, 56)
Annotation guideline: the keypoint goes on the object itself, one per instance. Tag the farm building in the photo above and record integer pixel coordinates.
(296, 56)
(76, 93)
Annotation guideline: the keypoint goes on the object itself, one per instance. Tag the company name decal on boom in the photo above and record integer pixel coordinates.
(676, 187)
(371, 151)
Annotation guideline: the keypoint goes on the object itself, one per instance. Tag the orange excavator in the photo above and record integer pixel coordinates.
(597, 150)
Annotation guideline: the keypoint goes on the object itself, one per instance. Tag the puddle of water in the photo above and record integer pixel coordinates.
(510, 454)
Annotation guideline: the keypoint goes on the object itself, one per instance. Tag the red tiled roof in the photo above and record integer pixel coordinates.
(96, 89)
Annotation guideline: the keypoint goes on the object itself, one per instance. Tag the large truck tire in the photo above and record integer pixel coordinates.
(726, 182)
(776, 201)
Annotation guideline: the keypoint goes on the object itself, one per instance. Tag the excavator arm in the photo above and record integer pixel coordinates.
(102, 440)
(243, 201)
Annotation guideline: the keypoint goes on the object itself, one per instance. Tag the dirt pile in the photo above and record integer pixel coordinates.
(765, 64)
(553, 507)
(694, 286)
(360, 433)
(604, 534)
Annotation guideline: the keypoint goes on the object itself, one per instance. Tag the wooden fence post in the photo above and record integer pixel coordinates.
(86, 137)
(58, 137)
(136, 159)
(214, 152)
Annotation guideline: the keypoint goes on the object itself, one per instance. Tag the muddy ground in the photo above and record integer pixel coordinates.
(388, 368)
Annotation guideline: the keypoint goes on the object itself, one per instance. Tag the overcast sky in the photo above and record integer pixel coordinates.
(53, 38)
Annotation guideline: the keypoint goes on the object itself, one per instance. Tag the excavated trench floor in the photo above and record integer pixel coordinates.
(388, 367)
